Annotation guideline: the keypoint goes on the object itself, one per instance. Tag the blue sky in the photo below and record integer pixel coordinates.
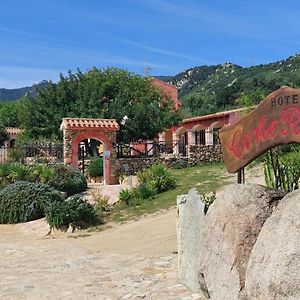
(40, 39)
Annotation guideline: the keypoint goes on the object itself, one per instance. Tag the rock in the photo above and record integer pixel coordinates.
(273, 270)
(230, 230)
(189, 224)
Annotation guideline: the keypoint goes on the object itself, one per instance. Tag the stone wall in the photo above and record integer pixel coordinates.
(197, 154)
(130, 166)
(205, 153)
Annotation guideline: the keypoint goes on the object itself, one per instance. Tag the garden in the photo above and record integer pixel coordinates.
(30, 192)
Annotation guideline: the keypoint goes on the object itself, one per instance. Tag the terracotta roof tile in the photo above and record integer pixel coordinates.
(13, 130)
(216, 115)
(89, 123)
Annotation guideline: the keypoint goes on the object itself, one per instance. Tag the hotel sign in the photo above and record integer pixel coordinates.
(275, 121)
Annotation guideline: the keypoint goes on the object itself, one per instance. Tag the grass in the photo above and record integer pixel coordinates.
(206, 178)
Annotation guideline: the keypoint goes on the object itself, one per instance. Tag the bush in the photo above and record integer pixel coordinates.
(16, 155)
(125, 195)
(61, 177)
(158, 177)
(75, 211)
(101, 207)
(26, 201)
(11, 172)
(95, 168)
(66, 179)
(144, 191)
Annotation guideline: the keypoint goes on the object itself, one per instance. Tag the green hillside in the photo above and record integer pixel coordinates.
(208, 89)
(15, 94)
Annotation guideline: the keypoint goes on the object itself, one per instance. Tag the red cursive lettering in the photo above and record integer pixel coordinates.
(289, 123)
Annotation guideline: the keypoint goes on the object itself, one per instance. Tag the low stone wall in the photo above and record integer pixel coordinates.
(205, 153)
(130, 166)
(197, 154)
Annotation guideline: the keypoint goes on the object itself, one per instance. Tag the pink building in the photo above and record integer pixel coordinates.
(202, 130)
(168, 90)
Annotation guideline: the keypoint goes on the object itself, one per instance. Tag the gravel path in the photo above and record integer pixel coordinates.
(136, 260)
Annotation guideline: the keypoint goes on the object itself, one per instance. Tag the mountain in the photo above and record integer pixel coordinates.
(15, 94)
(208, 89)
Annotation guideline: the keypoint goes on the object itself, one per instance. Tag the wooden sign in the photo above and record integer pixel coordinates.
(275, 121)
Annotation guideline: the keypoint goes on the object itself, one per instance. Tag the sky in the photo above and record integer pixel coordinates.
(42, 38)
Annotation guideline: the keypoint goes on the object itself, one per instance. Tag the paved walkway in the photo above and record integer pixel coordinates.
(130, 261)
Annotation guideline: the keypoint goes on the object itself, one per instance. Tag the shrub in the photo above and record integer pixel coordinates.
(101, 206)
(66, 179)
(11, 172)
(25, 201)
(158, 177)
(74, 211)
(16, 154)
(125, 195)
(61, 177)
(144, 191)
(95, 168)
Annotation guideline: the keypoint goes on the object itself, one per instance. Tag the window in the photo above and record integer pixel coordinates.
(216, 138)
(202, 137)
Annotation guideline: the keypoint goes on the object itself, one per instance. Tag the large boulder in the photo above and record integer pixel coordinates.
(190, 221)
(229, 233)
(273, 270)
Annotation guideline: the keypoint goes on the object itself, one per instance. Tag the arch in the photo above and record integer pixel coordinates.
(12, 143)
(181, 130)
(216, 125)
(182, 140)
(214, 129)
(103, 130)
(198, 135)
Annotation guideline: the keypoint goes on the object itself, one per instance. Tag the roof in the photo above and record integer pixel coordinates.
(13, 130)
(216, 115)
(68, 123)
(156, 80)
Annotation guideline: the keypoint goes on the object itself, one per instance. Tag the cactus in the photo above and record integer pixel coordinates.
(282, 172)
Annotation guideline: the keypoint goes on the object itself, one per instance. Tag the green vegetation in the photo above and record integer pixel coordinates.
(282, 170)
(99, 93)
(3, 135)
(31, 199)
(15, 94)
(95, 168)
(158, 177)
(66, 179)
(207, 178)
(152, 181)
(208, 89)
(26, 201)
(74, 211)
(61, 177)
(106, 94)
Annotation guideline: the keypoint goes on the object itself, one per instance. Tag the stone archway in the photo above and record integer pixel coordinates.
(105, 130)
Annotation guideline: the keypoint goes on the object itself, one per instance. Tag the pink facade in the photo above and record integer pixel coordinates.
(168, 90)
(199, 130)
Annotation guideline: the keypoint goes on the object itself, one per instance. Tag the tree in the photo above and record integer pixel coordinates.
(3, 135)
(9, 113)
(141, 109)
